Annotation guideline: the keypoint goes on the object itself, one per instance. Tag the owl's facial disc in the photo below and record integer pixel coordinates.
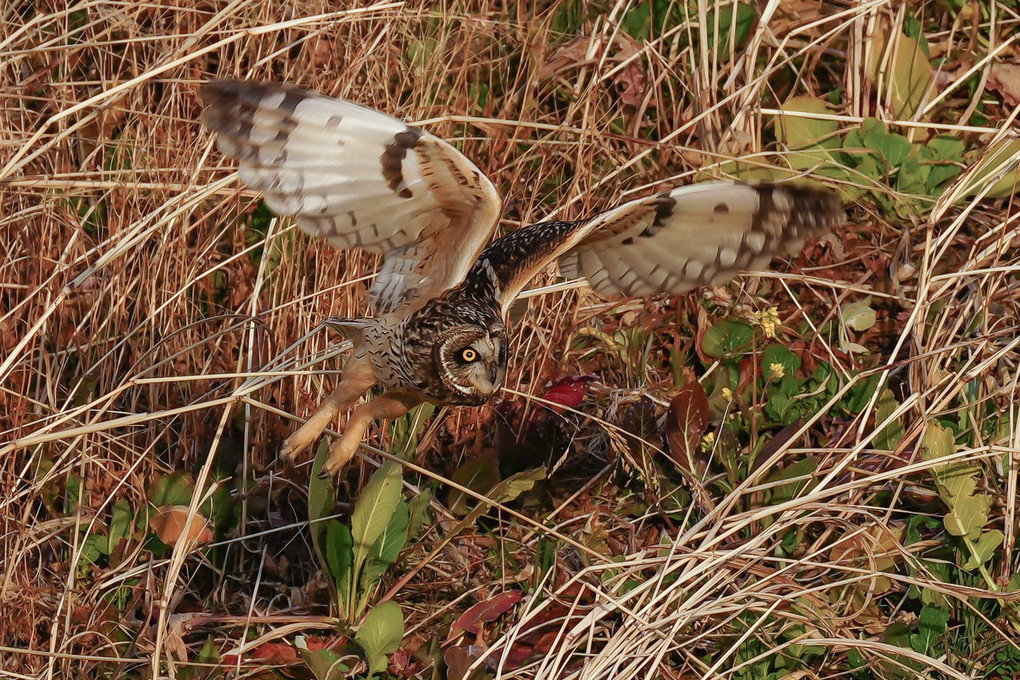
(473, 362)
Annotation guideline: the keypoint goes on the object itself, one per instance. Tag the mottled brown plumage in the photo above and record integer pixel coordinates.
(359, 178)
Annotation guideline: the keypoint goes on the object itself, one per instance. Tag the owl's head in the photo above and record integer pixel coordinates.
(470, 360)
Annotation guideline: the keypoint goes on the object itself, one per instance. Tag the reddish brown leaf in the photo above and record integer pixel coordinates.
(527, 647)
(458, 661)
(568, 392)
(1005, 79)
(483, 612)
(685, 424)
(170, 521)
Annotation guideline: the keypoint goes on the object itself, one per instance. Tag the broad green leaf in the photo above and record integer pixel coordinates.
(340, 559)
(808, 140)
(380, 634)
(912, 177)
(969, 514)
(1000, 166)
(777, 354)
(901, 67)
(859, 315)
(726, 337)
(324, 663)
(931, 626)
(175, 489)
(120, 524)
(477, 474)
(386, 549)
(938, 441)
(803, 132)
(506, 491)
(419, 513)
(887, 146)
(736, 17)
(942, 155)
(786, 492)
(321, 493)
(983, 549)
(889, 437)
(373, 511)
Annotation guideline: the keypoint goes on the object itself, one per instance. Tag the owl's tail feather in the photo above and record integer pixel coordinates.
(348, 328)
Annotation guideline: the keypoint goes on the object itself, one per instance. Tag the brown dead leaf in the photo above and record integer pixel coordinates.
(685, 425)
(1005, 79)
(631, 82)
(170, 522)
(485, 611)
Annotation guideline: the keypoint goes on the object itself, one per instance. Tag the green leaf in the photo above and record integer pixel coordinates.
(175, 489)
(373, 511)
(969, 514)
(120, 524)
(888, 146)
(912, 177)
(809, 141)
(786, 492)
(380, 634)
(419, 513)
(477, 474)
(901, 67)
(386, 550)
(931, 625)
(324, 663)
(859, 315)
(340, 559)
(726, 337)
(942, 155)
(778, 407)
(999, 166)
(801, 132)
(321, 493)
(889, 437)
(738, 17)
(983, 549)
(777, 354)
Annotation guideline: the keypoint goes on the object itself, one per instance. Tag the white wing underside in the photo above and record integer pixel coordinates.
(703, 234)
(359, 179)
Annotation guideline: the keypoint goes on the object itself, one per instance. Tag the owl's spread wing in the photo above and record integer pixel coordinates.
(696, 235)
(359, 178)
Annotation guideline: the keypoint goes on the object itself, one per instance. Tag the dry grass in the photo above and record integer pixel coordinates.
(144, 332)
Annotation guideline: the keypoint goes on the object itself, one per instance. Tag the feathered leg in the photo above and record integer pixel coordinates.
(358, 378)
(389, 406)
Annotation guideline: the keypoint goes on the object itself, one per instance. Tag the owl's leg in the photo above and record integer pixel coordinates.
(389, 406)
(358, 378)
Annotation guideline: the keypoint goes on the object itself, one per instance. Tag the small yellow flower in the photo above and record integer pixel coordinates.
(768, 320)
(727, 394)
(707, 441)
(777, 369)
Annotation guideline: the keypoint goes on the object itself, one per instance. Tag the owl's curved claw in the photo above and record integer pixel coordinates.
(358, 378)
(340, 453)
(390, 405)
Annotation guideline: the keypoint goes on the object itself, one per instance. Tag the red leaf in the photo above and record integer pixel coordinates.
(685, 424)
(483, 612)
(568, 392)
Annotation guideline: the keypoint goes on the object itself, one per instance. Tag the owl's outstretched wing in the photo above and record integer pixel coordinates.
(702, 234)
(359, 178)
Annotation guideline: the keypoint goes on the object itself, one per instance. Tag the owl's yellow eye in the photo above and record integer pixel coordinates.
(468, 355)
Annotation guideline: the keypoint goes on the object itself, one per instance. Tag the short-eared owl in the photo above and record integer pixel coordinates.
(361, 179)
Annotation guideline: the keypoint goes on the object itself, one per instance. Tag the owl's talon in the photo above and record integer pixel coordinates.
(340, 453)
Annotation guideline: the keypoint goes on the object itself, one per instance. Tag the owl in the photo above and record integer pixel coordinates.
(361, 179)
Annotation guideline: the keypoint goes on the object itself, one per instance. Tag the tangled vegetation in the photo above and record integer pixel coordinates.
(810, 473)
